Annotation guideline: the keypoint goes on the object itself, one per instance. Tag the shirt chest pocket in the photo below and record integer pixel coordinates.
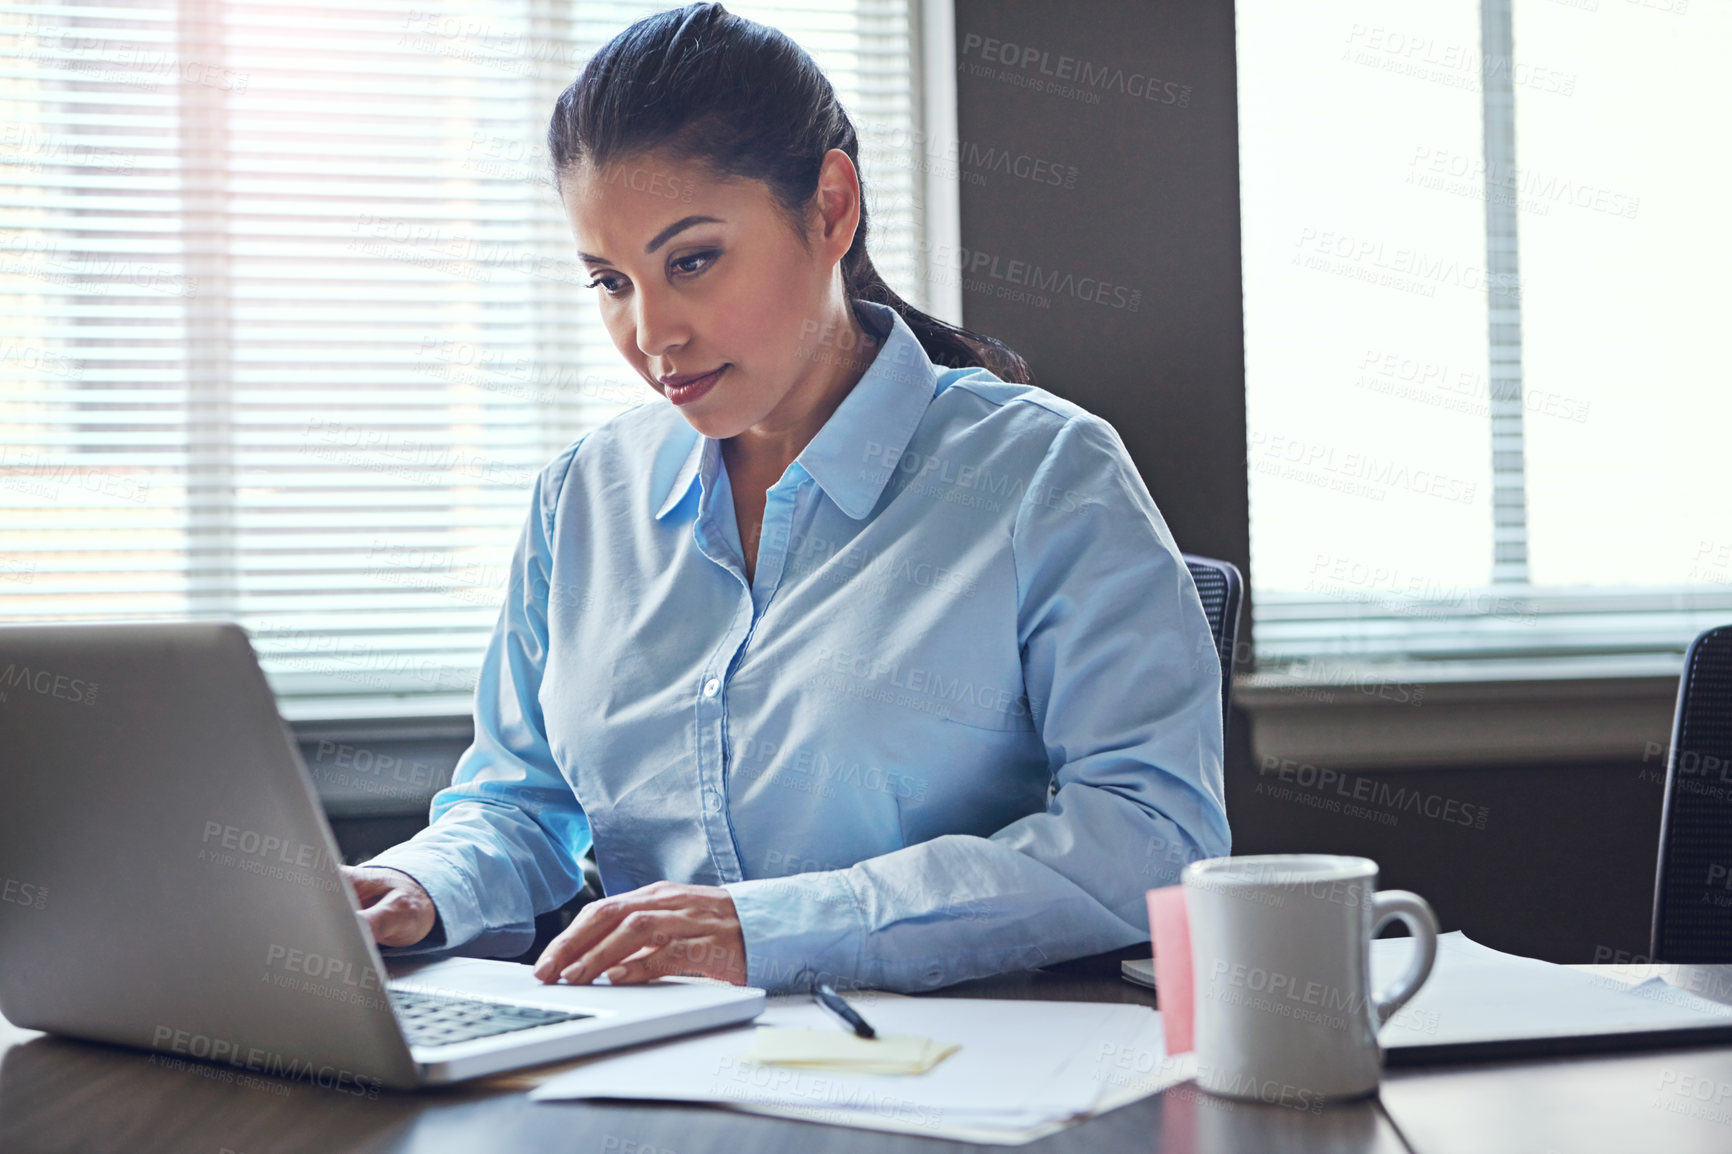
(996, 704)
(944, 668)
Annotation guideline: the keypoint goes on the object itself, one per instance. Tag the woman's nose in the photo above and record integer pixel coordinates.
(660, 327)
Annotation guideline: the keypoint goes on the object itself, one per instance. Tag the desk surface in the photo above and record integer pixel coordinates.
(58, 1095)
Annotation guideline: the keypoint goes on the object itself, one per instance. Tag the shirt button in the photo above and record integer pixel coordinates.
(712, 801)
(712, 687)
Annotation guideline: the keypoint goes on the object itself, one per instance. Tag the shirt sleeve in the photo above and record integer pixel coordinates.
(505, 839)
(1124, 684)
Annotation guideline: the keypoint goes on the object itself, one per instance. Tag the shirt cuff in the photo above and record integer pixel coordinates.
(805, 922)
(456, 913)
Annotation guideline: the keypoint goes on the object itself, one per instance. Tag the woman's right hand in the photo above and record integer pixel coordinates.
(393, 904)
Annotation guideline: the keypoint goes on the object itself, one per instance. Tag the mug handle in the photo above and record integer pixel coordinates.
(1388, 906)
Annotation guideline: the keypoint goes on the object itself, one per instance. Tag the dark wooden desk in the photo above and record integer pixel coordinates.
(58, 1095)
(1637, 1103)
(89, 1099)
(80, 1098)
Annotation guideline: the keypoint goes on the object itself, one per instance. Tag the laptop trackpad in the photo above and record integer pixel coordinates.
(484, 978)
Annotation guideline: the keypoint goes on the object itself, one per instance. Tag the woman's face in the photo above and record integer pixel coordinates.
(706, 290)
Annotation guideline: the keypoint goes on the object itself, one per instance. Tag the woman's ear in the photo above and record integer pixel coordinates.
(837, 201)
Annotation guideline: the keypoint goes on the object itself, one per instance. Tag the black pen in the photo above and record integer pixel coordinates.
(832, 1001)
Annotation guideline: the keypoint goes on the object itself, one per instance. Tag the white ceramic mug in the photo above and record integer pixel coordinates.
(1281, 954)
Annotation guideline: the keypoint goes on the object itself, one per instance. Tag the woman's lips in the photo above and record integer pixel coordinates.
(692, 388)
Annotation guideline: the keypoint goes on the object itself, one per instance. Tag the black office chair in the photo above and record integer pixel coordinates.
(1692, 900)
(1221, 589)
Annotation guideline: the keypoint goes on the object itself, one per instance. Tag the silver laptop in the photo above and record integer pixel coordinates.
(168, 881)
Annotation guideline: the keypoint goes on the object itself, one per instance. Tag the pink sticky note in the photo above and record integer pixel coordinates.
(1171, 930)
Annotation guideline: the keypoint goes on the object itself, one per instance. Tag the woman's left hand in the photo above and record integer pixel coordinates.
(645, 933)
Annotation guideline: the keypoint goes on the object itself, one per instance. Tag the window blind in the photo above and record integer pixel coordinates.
(291, 320)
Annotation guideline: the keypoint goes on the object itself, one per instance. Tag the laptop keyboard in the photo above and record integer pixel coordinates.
(441, 1019)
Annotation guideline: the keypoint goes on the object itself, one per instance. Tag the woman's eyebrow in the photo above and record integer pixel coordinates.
(661, 237)
(680, 225)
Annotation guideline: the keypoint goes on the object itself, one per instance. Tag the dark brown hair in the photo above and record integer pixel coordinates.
(742, 100)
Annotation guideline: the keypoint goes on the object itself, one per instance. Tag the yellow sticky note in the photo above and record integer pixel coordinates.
(844, 1052)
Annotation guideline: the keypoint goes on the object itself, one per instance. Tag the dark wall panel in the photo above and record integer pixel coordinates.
(1554, 862)
(1119, 283)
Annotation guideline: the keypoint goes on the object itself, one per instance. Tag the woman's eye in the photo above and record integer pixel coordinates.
(694, 263)
(689, 265)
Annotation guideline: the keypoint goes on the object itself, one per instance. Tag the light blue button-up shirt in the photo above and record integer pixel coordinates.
(964, 715)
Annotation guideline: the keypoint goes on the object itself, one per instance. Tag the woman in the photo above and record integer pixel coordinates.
(846, 662)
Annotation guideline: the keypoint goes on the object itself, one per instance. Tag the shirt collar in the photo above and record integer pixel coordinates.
(688, 470)
(853, 456)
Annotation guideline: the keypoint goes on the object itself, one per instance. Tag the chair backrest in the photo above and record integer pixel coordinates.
(1693, 881)
(1220, 587)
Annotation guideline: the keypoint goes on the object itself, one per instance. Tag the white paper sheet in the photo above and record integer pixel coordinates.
(1024, 1066)
(1127, 1072)
(1478, 994)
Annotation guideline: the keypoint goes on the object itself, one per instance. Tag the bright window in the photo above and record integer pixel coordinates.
(289, 318)
(1484, 308)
